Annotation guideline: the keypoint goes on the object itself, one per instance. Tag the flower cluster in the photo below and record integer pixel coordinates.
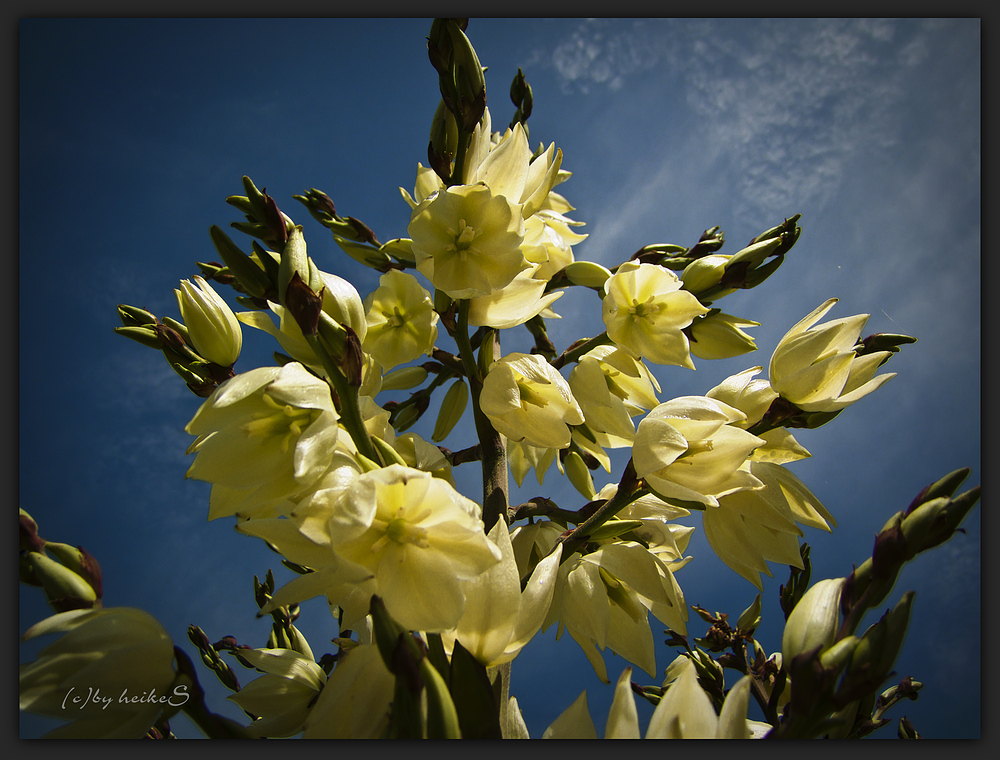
(311, 456)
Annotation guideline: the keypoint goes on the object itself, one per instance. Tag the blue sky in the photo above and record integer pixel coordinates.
(133, 133)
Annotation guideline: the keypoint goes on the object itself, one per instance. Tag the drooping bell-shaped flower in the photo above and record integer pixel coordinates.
(816, 367)
(467, 241)
(687, 449)
(402, 323)
(111, 674)
(265, 435)
(720, 336)
(612, 386)
(527, 400)
(645, 311)
(499, 617)
(283, 696)
(405, 535)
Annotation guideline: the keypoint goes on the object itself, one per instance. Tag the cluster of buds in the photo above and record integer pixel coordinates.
(70, 577)
(203, 348)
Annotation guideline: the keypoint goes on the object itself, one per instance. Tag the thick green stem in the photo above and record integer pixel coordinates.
(494, 447)
(350, 413)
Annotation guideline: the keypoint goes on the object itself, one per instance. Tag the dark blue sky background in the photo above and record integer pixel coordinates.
(133, 133)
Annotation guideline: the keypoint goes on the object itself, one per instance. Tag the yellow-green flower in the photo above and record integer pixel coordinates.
(282, 697)
(684, 712)
(110, 674)
(264, 436)
(357, 698)
(397, 532)
(603, 599)
(467, 241)
(688, 449)
(612, 386)
(817, 369)
(527, 400)
(719, 336)
(402, 323)
(212, 326)
(499, 617)
(645, 311)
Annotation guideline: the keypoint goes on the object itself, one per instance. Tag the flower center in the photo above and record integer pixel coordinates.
(648, 309)
(394, 318)
(694, 448)
(403, 531)
(529, 395)
(284, 421)
(464, 237)
(619, 595)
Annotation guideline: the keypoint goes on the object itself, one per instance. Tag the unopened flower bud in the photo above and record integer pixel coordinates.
(132, 316)
(452, 409)
(80, 561)
(838, 655)
(64, 589)
(813, 621)
(750, 618)
(144, 335)
(587, 274)
(718, 336)
(705, 273)
(579, 475)
(250, 276)
(403, 379)
(212, 326)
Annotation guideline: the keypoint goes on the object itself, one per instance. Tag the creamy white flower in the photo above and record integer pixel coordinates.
(397, 532)
(213, 328)
(687, 449)
(753, 527)
(499, 617)
(467, 241)
(113, 651)
(283, 696)
(527, 400)
(263, 436)
(685, 712)
(645, 311)
(817, 369)
(603, 599)
(402, 323)
(612, 386)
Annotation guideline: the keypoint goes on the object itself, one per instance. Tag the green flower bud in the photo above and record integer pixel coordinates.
(250, 276)
(442, 718)
(404, 378)
(587, 274)
(144, 335)
(614, 528)
(813, 621)
(705, 273)
(63, 588)
(452, 409)
(80, 561)
(133, 316)
(750, 618)
(838, 655)
(579, 475)
(754, 254)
